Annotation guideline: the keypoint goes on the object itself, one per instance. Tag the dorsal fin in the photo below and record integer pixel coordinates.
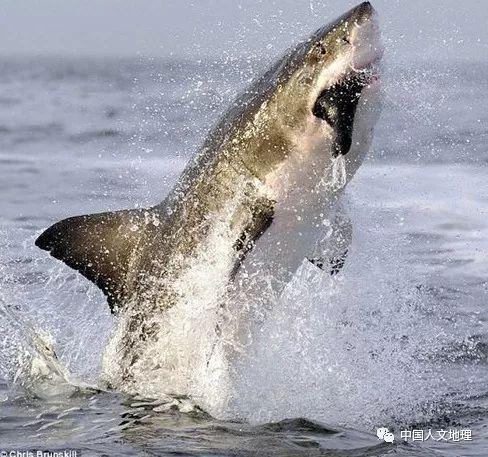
(99, 246)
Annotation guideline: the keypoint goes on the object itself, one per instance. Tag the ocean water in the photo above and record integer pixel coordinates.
(398, 339)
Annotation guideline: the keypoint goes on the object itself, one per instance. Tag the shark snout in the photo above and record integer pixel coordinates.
(362, 13)
(365, 37)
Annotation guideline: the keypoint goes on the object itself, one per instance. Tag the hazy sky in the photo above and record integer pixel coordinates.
(424, 28)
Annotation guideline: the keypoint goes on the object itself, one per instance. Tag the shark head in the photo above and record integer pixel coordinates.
(327, 80)
(341, 63)
(315, 104)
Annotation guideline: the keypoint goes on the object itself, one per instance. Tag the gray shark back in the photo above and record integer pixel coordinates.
(107, 247)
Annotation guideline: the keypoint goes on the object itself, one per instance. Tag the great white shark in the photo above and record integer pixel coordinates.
(255, 201)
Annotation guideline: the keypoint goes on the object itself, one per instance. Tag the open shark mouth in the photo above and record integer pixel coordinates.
(337, 105)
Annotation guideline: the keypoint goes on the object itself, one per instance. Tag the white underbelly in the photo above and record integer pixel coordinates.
(298, 224)
(306, 196)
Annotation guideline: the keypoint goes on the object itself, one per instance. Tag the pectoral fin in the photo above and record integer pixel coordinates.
(258, 221)
(99, 246)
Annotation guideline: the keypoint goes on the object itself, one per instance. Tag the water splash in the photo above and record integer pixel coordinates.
(355, 349)
(28, 358)
(44, 326)
(335, 176)
(351, 349)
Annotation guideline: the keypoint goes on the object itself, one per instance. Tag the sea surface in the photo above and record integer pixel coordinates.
(399, 339)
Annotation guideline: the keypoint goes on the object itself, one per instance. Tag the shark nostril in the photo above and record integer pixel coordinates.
(346, 40)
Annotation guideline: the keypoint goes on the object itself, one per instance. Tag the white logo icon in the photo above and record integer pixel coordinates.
(384, 434)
